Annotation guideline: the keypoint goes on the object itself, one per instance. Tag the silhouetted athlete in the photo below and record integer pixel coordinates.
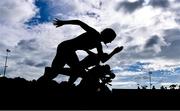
(66, 50)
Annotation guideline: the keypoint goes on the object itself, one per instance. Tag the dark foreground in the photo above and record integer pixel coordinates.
(21, 94)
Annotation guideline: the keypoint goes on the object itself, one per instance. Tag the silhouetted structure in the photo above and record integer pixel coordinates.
(5, 65)
(144, 86)
(66, 54)
(150, 73)
(173, 86)
(96, 79)
(138, 86)
(19, 93)
(153, 87)
(162, 88)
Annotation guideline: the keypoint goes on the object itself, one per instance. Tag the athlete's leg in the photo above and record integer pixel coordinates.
(74, 64)
(57, 64)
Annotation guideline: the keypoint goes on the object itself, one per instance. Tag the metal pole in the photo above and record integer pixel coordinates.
(150, 79)
(5, 66)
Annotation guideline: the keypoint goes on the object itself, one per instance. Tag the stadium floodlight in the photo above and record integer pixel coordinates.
(150, 72)
(5, 65)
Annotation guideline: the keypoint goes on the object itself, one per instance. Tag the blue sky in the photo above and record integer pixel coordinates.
(45, 14)
(148, 30)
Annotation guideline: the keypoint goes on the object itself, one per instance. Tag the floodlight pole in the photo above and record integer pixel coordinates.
(150, 79)
(5, 65)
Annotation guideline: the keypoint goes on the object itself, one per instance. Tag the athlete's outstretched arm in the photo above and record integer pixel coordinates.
(86, 27)
(106, 57)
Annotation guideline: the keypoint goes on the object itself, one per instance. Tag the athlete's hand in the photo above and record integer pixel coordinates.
(58, 22)
(118, 49)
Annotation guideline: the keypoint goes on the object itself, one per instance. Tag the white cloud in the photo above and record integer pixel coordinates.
(124, 85)
(16, 11)
(160, 64)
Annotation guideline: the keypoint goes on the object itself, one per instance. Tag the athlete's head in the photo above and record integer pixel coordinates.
(108, 35)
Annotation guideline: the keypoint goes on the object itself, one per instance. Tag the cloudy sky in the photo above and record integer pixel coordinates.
(148, 29)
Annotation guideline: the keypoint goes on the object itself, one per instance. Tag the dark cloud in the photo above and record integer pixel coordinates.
(171, 34)
(129, 39)
(130, 6)
(97, 6)
(172, 51)
(135, 53)
(3, 47)
(42, 64)
(31, 62)
(132, 48)
(152, 41)
(172, 38)
(29, 45)
(159, 3)
(169, 51)
(172, 31)
(26, 61)
(92, 14)
(177, 20)
(136, 67)
(177, 1)
(177, 69)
